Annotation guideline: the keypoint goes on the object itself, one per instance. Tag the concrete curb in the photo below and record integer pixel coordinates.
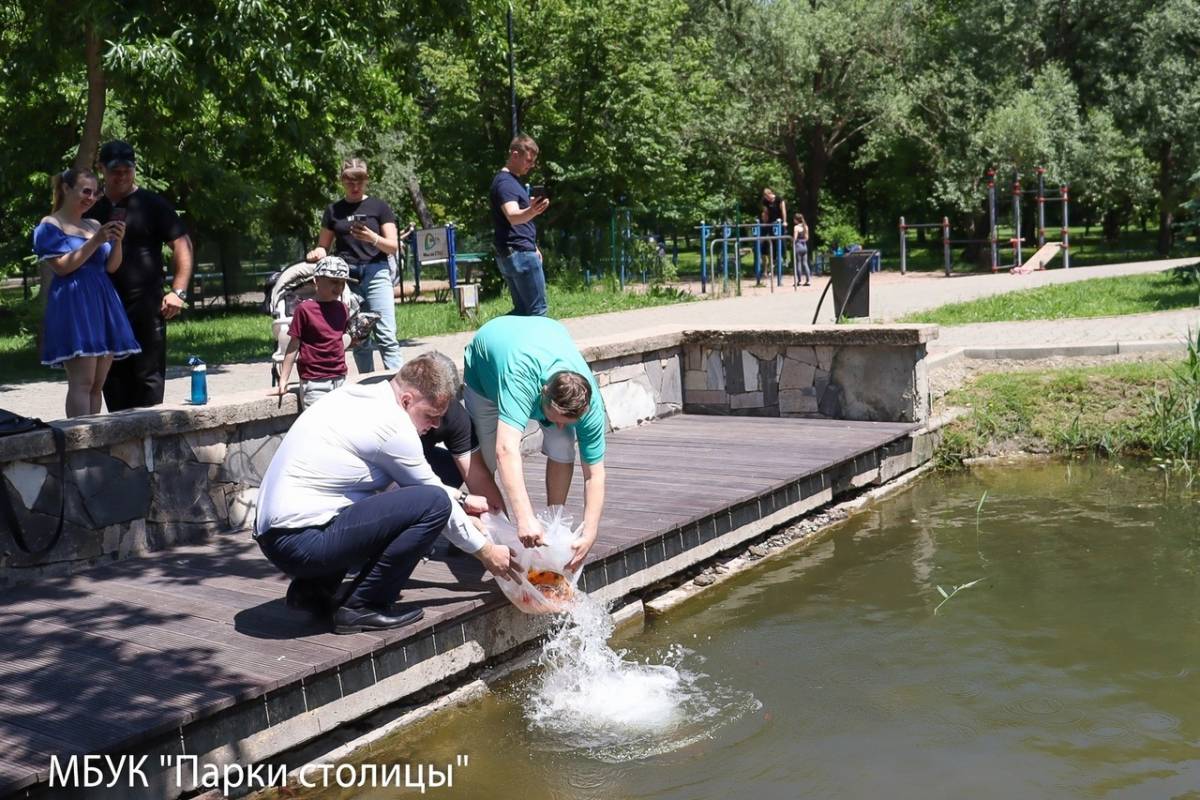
(1021, 353)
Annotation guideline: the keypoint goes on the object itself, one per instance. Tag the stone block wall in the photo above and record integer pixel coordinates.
(841, 372)
(136, 482)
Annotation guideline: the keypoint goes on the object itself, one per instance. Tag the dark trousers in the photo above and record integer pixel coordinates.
(397, 528)
(138, 381)
(443, 466)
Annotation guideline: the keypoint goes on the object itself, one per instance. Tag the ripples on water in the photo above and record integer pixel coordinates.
(594, 699)
(1071, 671)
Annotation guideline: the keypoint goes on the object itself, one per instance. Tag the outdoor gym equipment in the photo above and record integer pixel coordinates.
(1040, 258)
(732, 232)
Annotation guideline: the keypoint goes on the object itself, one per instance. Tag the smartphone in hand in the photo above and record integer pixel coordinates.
(117, 215)
(538, 191)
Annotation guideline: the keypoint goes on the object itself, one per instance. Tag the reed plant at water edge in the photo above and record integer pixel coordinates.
(1174, 420)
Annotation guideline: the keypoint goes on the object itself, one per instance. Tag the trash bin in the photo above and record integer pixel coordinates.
(843, 270)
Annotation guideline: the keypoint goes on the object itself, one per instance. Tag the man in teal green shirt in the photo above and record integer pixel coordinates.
(527, 368)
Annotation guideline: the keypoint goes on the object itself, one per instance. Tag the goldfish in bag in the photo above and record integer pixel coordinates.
(546, 585)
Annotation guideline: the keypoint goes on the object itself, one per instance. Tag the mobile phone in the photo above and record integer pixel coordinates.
(538, 191)
(357, 219)
(117, 215)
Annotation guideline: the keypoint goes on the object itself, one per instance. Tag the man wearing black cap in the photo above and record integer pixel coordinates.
(150, 222)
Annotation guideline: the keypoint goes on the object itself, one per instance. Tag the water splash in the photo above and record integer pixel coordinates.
(593, 698)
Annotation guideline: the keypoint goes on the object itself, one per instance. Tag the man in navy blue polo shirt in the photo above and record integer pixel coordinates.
(513, 213)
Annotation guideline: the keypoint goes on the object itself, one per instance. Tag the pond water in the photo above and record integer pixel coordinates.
(1070, 670)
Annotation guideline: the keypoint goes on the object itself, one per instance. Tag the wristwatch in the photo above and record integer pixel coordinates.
(462, 497)
(180, 293)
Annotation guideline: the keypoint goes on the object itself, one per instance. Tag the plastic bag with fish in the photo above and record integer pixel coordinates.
(546, 585)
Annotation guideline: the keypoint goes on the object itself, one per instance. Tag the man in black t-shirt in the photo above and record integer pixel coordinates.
(460, 461)
(774, 210)
(515, 237)
(150, 223)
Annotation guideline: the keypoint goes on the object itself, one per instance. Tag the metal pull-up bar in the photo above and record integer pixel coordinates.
(732, 232)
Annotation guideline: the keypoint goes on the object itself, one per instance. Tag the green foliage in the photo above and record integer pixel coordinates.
(680, 110)
(837, 226)
(1174, 419)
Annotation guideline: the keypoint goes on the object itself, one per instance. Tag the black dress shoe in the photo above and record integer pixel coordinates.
(309, 595)
(357, 620)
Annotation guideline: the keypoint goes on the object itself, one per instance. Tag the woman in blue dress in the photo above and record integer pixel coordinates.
(85, 324)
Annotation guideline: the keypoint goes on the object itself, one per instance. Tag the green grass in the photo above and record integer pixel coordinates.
(231, 336)
(1099, 297)
(1147, 408)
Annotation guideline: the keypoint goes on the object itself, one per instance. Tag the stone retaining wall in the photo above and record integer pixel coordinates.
(144, 480)
(877, 375)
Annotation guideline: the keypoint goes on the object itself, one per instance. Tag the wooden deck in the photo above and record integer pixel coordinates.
(135, 656)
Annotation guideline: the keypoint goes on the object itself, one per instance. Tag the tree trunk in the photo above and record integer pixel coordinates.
(89, 141)
(807, 180)
(229, 245)
(1110, 224)
(818, 168)
(791, 159)
(1166, 205)
(418, 199)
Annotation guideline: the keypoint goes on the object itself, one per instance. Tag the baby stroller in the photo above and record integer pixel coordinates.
(287, 288)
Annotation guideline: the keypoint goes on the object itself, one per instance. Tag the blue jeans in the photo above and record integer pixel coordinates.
(375, 292)
(522, 271)
(396, 528)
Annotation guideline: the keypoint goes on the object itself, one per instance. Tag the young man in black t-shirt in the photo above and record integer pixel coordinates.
(515, 238)
(774, 210)
(150, 222)
(459, 462)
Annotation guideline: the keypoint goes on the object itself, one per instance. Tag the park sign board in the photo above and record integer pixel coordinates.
(432, 245)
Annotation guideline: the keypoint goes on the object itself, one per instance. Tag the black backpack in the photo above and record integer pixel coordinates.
(10, 425)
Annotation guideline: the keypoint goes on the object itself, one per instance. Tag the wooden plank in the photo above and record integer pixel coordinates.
(97, 704)
(245, 655)
(25, 755)
(271, 620)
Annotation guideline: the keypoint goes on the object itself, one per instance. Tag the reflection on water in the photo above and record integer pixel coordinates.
(1071, 670)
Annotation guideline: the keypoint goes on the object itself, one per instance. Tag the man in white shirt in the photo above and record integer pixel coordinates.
(322, 510)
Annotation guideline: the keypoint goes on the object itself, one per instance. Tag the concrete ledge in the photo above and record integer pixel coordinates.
(600, 348)
(826, 335)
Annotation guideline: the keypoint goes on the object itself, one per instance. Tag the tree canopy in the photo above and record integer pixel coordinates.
(679, 110)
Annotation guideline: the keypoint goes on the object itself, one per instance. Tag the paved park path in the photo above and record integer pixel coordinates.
(892, 296)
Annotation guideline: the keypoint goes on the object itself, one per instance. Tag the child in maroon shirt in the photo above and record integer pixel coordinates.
(318, 331)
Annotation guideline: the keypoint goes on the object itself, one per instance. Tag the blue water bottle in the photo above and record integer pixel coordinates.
(199, 381)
